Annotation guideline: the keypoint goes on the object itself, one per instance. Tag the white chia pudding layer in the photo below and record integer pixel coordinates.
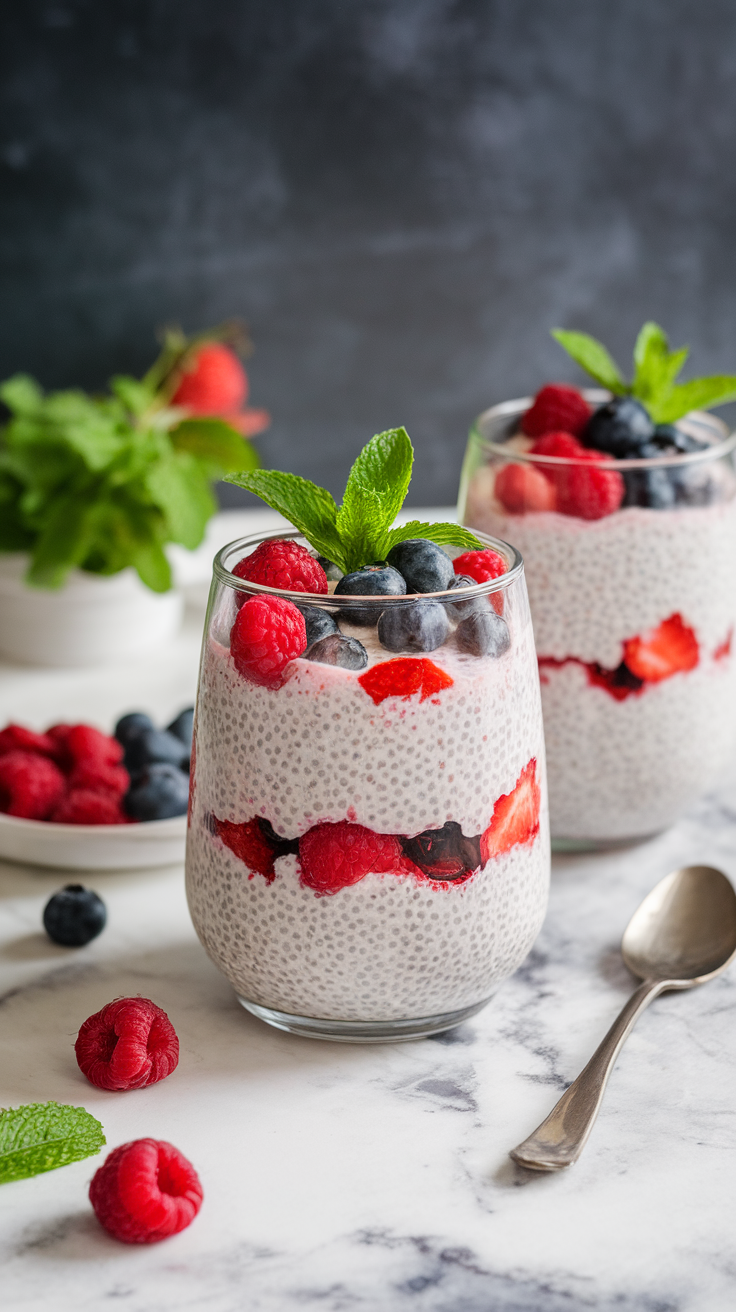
(318, 749)
(623, 769)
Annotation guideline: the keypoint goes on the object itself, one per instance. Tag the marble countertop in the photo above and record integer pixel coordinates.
(374, 1178)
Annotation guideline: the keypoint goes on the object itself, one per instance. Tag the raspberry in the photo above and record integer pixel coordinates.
(556, 407)
(249, 844)
(522, 489)
(31, 786)
(283, 564)
(14, 737)
(582, 490)
(129, 1044)
(82, 742)
(268, 633)
(404, 677)
(99, 777)
(334, 856)
(480, 565)
(145, 1191)
(215, 384)
(82, 806)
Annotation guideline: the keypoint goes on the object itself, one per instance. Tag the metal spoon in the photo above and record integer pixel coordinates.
(683, 934)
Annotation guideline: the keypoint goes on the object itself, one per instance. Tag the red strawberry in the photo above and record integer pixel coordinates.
(215, 382)
(334, 856)
(556, 406)
(515, 816)
(284, 564)
(582, 490)
(268, 633)
(404, 677)
(669, 649)
(250, 845)
(480, 565)
(522, 489)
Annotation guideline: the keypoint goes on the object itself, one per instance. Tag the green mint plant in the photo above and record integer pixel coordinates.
(43, 1136)
(359, 531)
(655, 371)
(103, 483)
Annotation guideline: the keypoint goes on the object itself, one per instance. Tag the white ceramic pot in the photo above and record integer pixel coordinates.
(92, 620)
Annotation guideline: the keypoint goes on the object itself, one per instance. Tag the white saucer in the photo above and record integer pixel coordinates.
(93, 847)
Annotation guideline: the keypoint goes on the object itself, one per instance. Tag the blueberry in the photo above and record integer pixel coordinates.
(444, 853)
(131, 725)
(157, 793)
(459, 609)
(653, 488)
(332, 570)
(155, 745)
(415, 626)
(282, 846)
(379, 580)
(182, 727)
(670, 439)
(698, 484)
(74, 916)
(319, 623)
(620, 428)
(335, 649)
(423, 565)
(483, 633)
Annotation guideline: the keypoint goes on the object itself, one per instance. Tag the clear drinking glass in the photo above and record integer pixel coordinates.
(368, 850)
(633, 614)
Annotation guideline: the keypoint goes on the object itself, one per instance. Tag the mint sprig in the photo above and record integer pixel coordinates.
(360, 530)
(43, 1136)
(655, 371)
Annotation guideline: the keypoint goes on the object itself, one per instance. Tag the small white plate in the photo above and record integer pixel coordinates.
(93, 847)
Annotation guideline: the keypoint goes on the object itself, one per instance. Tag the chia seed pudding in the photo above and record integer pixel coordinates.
(434, 763)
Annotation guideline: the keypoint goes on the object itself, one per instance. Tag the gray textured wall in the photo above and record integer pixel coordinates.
(400, 196)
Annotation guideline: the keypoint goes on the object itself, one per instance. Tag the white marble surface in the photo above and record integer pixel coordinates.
(374, 1178)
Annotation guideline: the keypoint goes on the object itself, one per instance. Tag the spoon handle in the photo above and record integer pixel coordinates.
(560, 1139)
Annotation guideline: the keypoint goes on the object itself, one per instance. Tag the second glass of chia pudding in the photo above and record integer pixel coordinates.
(368, 850)
(628, 531)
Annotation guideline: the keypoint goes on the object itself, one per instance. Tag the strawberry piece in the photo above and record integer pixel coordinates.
(515, 817)
(31, 786)
(480, 565)
(15, 737)
(250, 845)
(334, 856)
(522, 489)
(723, 650)
(556, 406)
(283, 564)
(215, 383)
(403, 678)
(268, 633)
(582, 490)
(671, 648)
(129, 1044)
(145, 1191)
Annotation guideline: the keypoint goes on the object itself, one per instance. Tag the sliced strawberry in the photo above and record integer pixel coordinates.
(515, 816)
(404, 677)
(249, 844)
(669, 649)
(522, 489)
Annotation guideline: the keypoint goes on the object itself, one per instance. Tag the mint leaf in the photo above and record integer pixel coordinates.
(308, 507)
(214, 441)
(698, 394)
(43, 1136)
(64, 540)
(21, 394)
(135, 396)
(152, 567)
(444, 534)
(593, 357)
(656, 367)
(374, 494)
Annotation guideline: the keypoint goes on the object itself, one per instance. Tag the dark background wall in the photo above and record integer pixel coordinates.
(401, 197)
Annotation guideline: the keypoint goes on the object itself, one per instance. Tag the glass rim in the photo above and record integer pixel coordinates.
(349, 601)
(597, 396)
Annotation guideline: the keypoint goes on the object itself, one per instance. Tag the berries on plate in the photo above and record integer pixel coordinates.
(522, 489)
(281, 563)
(582, 490)
(619, 428)
(268, 633)
(671, 648)
(404, 677)
(87, 806)
(183, 726)
(483, 633)
(15, 737)
(515, 816)
(99, 777)
(380, 580)
(319, 623)
(481, 566)
(129, 1044)
(154, 747)
(556, 406)
(158, 792)
(334, 856)
(74, 916)
(128, 726)
(31, 786)
(414, 626)
(422, 564)
(336, 649)
(145, 1191)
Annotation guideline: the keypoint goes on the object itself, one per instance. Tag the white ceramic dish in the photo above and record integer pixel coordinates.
(93, 847)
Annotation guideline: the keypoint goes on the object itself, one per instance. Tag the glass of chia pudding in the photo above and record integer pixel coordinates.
(628, 532)
(368, 850)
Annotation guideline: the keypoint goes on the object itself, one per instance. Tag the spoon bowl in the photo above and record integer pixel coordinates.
(684, 931)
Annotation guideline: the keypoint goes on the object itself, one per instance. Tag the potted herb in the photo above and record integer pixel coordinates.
(94, 488)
